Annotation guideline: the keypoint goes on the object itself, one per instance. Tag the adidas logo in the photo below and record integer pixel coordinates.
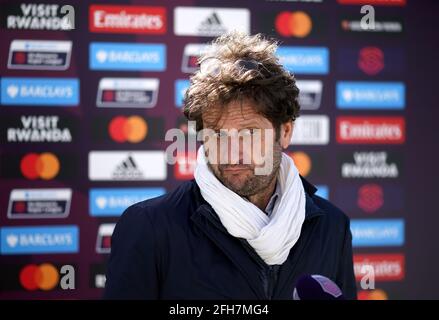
(128, 170)
(212, 26)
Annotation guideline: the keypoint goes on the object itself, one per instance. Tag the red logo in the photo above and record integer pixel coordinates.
(293, 24)
(44, 166)
(128, 129)
(106, 242)
(108, 95)
(20, 58)
(43, 277)
(370, 197)
(371, 60)
(364, 130)
(386, 267)
(376, 294)
(185, 166)
(127, 19)
(19, 207)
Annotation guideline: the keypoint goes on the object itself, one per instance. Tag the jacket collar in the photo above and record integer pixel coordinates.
(311, 208)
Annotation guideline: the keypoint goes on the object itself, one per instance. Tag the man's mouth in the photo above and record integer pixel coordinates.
(236, 168)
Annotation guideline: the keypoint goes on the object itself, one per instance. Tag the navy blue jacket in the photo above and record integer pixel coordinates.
(175, 247)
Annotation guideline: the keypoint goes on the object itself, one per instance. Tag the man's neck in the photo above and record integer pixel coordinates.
(261, 199)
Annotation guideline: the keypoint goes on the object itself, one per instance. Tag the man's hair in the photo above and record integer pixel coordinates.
(271, 87)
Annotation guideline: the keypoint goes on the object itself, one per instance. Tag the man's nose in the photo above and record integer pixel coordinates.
(237, 151)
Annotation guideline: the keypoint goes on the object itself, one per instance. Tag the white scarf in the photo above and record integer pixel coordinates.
(271, 237)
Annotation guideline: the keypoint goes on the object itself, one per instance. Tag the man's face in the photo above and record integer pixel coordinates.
(238, 173)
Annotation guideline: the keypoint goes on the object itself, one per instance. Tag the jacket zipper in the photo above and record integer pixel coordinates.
(268, 270)
(270, 283)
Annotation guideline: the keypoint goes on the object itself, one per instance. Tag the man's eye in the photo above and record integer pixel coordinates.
(220, 133)
(248, 132)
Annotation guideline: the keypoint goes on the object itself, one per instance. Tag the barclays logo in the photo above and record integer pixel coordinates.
(111, 202)
(41, 239)
(377, 233)
(61, 92)
(128, 56)
(370, 95)
(304, 60)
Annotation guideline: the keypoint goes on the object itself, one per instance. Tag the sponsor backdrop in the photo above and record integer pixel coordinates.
(89, 89)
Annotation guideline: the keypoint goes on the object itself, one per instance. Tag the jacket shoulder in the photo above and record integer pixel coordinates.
(335, 215)
(326, 207)
(172, 203)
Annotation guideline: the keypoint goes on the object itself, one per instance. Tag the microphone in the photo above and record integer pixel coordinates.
(316, 287)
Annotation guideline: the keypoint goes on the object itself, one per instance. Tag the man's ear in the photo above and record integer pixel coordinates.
(286, 132)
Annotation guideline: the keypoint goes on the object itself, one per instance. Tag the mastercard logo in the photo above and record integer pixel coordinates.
(293, 24)
(128, 129)
(44, 166)
(377, 294)
(44, 277)
(302, 162)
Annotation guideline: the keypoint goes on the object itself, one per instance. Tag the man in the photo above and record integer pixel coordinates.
(241, 229)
